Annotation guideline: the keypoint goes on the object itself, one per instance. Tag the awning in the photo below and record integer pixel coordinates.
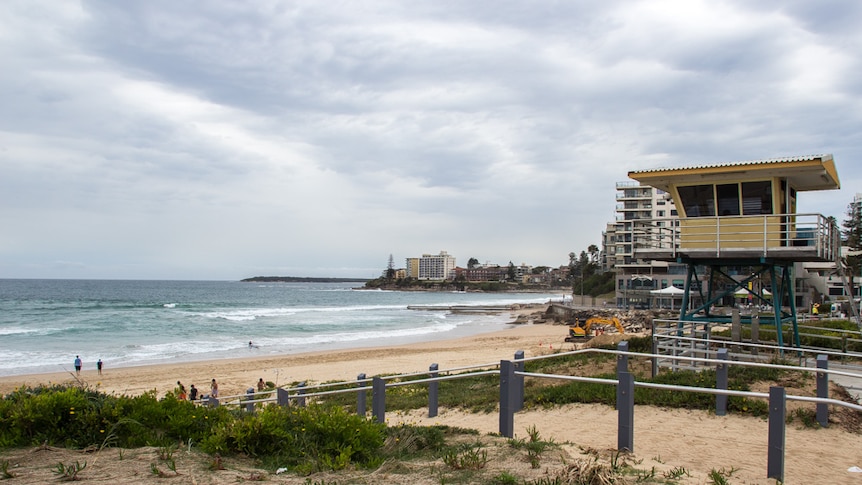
(669, 291)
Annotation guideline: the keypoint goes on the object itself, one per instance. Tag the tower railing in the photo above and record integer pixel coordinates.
(802, 237)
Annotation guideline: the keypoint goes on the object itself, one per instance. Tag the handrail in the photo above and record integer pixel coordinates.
(808, 232)
(704, 390)
(671, 330)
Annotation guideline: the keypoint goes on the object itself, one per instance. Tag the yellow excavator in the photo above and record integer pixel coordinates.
(580, 331)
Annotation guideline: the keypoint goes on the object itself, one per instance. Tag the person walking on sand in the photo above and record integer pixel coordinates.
(181, 391)
(214, 389)
(261, 386)
(78, 365)
(193, 393)
(99, 366)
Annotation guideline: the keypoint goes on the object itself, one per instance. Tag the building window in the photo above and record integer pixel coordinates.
(659, 213)
(674, 213)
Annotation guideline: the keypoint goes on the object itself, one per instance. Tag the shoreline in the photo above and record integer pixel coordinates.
(236, 374)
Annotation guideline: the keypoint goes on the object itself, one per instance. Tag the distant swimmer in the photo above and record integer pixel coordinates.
(251, 345)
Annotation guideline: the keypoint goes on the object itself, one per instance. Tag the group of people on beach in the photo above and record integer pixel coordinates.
(79, 364)
(193, 394)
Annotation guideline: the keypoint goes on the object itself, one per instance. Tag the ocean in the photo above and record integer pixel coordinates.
(44, 324)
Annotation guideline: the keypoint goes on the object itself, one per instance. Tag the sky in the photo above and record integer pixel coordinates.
(219, 140)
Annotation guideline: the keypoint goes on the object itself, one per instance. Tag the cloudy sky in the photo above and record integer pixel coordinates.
(167, 139)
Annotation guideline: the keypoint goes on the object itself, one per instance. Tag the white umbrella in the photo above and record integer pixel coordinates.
(671, 291)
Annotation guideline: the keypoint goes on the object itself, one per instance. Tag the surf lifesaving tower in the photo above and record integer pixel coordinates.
(739, 234)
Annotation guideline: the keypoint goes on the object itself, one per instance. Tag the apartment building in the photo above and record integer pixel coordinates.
(483, 272)
(412, 268)
(433, 267)
(640, 211)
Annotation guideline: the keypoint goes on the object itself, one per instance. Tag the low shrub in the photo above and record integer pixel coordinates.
(305, 440)
(78, 417)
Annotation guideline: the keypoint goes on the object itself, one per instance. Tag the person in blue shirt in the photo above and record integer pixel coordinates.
(78, 364)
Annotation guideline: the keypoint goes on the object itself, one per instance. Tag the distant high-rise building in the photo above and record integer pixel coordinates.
(435, 267)
(412, 269)
(639, 208)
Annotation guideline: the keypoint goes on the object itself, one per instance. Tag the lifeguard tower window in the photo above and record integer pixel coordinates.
(756, 198)
(698, 200)
(701, 200)
(728, 199)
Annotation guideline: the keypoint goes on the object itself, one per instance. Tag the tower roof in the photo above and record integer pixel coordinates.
(804, 173)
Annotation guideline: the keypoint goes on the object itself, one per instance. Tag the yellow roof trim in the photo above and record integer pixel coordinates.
(812, 172)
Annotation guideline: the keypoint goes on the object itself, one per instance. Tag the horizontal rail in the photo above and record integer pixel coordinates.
(774, 348)
(704, 390)
(443, 378)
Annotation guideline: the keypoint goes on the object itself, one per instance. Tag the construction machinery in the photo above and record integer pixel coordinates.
(580, 331)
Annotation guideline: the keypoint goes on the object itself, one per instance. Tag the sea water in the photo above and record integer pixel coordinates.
(44, 324)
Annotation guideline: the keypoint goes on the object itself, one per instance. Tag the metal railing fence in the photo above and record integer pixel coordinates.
(512, 374)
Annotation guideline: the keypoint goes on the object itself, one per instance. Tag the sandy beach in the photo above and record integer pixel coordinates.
(664, 438)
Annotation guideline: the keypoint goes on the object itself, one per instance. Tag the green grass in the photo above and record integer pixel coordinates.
(481, 393)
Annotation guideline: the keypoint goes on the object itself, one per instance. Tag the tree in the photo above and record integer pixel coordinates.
(851, 237)
(390, 268)
(472, 262)
(511, 273)
(460, 282)
(582, 267)
(594, 253)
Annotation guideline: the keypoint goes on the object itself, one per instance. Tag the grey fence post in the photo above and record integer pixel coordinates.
(654, 355)
(378, 399)
(622, 363)
(622, 359)
(721, 383)
(433, 391)
(626, 411)
(300, 391)
(212, 402)
(249, 394)
(822, 412)
(282, 397)
(755, 332)
(519, 381)
(508, 396)
(777, 415)
(361, 396)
